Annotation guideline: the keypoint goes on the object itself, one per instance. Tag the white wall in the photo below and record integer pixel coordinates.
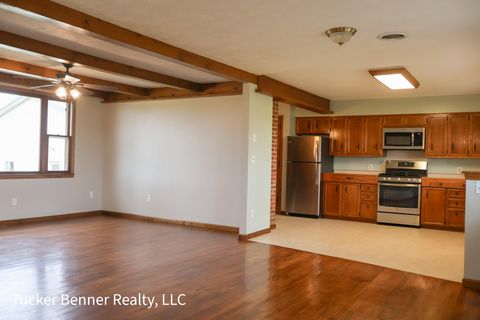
(472, 232)
(188, 154)
(259, 160)
(43, 197)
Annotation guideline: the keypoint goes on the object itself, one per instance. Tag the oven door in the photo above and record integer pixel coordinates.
(399, 198)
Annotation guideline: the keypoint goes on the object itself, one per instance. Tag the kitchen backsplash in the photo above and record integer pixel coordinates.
(447, 166)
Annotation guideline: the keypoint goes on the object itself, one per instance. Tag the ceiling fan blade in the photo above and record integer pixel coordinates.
(99, 87)
(44, 86)
(84, 91)
(71, 79)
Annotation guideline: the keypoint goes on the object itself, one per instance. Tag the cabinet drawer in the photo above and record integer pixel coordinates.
(456, 218)
(368, 197)
(443, 183)
(455, 193)
(368, 188)
(368, 210)
(455, 203)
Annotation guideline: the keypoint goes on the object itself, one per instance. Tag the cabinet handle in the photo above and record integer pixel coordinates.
(453, 146)
(431, 146)
(336, 189)
(475, 146)
(358, 146)
(346, 189)
(376, 145)
(427, 194)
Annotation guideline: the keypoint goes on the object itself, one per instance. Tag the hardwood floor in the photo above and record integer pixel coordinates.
(222, 278)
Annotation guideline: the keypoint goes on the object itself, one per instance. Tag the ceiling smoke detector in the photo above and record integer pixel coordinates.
(391, 36)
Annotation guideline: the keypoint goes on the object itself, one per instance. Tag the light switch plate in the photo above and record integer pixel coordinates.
(459, 170)
(477, 187)
(370, 167)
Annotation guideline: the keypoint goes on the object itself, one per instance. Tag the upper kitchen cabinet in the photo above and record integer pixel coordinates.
(474, 135)
(338, 137)
(455, 135)
(410, 120)
(313, 125)
(355, 136)
(373, 136)
(436, 144)
(303, 126)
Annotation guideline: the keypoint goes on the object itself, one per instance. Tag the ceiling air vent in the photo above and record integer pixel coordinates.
(391, 36)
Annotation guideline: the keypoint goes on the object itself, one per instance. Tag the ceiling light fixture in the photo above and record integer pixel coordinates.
(397, 78)
(340, 35)
(66, 91)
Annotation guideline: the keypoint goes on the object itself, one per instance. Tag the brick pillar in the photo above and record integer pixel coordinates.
(273, 192)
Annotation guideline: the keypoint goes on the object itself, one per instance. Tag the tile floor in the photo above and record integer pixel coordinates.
(428, 252)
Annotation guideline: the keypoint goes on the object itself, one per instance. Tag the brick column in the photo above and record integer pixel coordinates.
(273, 192)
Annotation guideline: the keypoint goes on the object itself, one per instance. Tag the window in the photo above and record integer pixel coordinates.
(36, 136)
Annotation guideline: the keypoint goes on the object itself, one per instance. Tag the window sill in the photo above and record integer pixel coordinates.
(5, 176)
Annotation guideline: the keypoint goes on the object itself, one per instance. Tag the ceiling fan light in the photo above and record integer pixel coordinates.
(74, 93)
(61, 92)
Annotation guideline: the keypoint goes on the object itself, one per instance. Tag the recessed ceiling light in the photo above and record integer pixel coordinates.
(397, 78)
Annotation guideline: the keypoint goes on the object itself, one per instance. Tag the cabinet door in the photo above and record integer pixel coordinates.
(303, 126)
(331, 198)
(321, 125)
(415, 120)
(392, 121)
(355, 135)
(455, 218)
(457, 135)
(436, 136)
(338, 136)
(433, 206)
(474, 143)
(350, 199)
(368, 210)
(373, 136)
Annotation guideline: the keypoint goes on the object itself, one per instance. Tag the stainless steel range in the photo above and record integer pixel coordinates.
(399, 192)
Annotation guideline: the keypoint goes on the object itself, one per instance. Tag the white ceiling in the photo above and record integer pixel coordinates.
(285, 40)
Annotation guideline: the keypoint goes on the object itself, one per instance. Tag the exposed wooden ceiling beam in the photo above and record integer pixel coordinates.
(17, 41)
(218, 89)
(10, 81)
(26, 68)
(291, 95)
(92, 24)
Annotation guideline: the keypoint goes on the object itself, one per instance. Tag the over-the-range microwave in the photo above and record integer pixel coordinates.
(404, 138)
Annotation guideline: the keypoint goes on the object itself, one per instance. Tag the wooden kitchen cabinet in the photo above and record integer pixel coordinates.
(410, 120)
(433, 206)
(303, 126)
(436, 142)
(331, 198)
(355, 135)
(350, 196)
(350, 200)
(457, 135)
(338, 136)
(443, 203)
(373, 136)
(474, 135)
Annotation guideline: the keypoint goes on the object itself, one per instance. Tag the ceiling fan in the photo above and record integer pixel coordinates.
(70, 87)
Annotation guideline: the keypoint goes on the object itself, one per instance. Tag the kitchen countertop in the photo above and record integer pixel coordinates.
(375, 173)
(430, 175)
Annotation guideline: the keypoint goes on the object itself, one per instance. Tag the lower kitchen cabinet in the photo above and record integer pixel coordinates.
(443, 203)
(350, 196)
(433, 206)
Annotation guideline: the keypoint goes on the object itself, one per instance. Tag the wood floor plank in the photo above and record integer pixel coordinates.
(223, 278)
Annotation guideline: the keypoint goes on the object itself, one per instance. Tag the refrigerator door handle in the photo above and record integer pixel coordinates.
(316, 174)
(317, 149)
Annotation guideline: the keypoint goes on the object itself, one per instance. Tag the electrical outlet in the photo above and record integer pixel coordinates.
(370, 167)
(459, 170)
(91, 194)
(254, 158)
(14, 202)
(149, 197)
(477, 187)
(252, 213)
(254, 137)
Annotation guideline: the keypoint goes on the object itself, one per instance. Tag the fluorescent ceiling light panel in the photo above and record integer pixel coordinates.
(395, 78)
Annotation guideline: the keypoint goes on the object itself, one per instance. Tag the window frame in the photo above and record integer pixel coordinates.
(44, 138)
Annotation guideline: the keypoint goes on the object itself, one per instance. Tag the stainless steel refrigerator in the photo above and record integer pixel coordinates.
(306, 161)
